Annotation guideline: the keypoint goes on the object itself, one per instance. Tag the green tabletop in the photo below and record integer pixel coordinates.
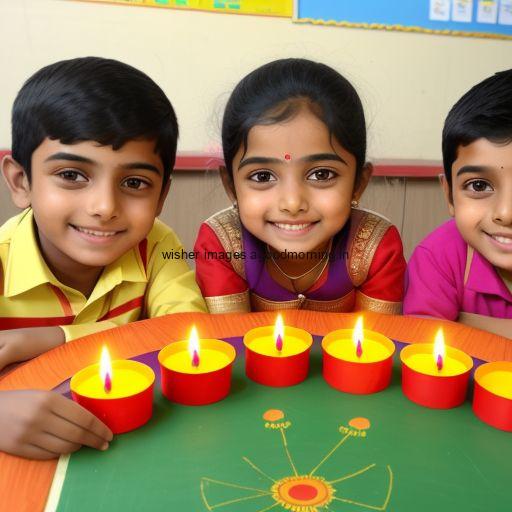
(227, 457)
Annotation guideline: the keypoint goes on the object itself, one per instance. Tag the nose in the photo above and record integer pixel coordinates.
(102, 202)
(502, 212)
(293, 198)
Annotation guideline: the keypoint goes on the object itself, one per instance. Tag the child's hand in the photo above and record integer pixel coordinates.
(21, 344)
(44, 425)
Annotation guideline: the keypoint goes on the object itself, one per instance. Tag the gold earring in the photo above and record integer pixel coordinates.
(354, 203)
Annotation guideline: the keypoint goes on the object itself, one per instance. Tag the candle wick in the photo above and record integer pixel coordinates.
(359, 349)
(108, 383)
(439, 362)
(279, 343)
(195, 359)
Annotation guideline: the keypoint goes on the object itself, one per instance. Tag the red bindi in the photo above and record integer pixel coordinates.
(287, 156)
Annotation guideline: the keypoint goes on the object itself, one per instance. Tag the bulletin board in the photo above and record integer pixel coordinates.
(280, 8)
(478, 18)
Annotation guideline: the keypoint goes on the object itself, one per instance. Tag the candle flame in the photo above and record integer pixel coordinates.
(279, 333)
(193, 346)
(357, 336)
(106, 369)
(439, 349)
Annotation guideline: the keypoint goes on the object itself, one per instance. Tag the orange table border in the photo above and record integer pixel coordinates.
(24, 484)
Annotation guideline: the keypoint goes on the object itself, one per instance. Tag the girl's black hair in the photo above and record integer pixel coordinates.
(485, 111)
(275, 92)
(96, 99)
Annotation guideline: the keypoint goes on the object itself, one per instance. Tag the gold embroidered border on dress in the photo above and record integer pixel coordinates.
(365, 303)
(234, 303)
(343, 304)
(364, 243)
(226, 225)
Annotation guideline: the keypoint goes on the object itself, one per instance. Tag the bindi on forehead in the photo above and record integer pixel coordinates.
(287, 157)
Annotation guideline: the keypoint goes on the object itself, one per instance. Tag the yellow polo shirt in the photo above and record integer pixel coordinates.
(140, 284)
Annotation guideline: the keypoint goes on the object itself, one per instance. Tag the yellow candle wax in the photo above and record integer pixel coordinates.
(426, 363)
(213, 355)
(262, 340)
(128, 378)
(420, 357)
(345, 349)
(266, 345)
(498, 382)
(209, 361)
(375, 346)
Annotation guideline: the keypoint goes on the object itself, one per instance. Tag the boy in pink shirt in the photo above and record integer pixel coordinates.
(463, 270)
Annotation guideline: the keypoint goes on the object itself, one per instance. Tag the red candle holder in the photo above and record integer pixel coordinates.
(492, 400)
(424, 385)
(266, 365)
(120, 413)
(359, 377)
(190, 385)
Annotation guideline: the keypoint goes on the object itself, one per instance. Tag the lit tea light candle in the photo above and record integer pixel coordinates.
(492, 399)
(119, 393)
(196, 372)
(277, 355)
(435, 375)
(358, 360)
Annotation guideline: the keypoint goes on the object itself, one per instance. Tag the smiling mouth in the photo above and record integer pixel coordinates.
(507, 240)
(293, 226)
(93, 232)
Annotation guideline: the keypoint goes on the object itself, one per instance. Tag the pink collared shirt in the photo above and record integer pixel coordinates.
(439, 284)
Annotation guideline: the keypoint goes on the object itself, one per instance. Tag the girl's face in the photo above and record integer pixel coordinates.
(294, 184)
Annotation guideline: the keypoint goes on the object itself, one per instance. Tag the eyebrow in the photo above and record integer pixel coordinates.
(71, 157)
(474, 169)
(309, 158)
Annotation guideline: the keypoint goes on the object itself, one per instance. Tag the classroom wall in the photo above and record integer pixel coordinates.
(407, 81)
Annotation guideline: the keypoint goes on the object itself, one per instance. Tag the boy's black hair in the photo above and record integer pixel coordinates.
(96, 99)
(276, 91)
(485, 111)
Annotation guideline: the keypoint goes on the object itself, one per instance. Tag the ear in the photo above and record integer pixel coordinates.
(163, 196)
(228, 184)
(447, 194)
(362, 181)
(16, 181)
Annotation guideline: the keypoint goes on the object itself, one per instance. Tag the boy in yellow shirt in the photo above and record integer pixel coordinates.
(93, 144)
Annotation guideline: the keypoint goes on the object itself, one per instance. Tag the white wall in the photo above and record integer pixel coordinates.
(407, 81)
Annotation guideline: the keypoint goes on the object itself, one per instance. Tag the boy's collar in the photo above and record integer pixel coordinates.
(484, 278)
(26, 268)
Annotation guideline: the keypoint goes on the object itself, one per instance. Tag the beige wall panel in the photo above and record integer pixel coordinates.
(193, 197)
(386, 196)
(425, 209)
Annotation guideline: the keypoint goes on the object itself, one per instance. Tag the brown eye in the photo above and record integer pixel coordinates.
(135, 183)
(479, 186)
(322, 175)
(262, 177)
(70, 175)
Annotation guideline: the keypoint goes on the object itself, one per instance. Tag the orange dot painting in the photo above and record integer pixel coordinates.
(273, 415)
(360, 423)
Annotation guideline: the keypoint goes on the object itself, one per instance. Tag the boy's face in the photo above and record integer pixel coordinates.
(482, 199)
(93, 204)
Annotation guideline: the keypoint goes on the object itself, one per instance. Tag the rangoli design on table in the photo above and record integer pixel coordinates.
(300, 492)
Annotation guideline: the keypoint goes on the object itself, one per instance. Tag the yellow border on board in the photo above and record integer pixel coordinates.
(276, 8)
(401, 28)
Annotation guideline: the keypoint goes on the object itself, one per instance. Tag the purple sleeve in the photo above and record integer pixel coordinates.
(430, 289)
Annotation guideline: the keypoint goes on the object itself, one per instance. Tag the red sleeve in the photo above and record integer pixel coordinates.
(214, 273)
(385, 280)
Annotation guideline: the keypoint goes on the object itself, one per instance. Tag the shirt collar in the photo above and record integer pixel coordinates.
(26, 268)
(484, 278)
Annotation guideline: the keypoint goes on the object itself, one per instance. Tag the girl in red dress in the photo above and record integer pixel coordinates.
(294, 141)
